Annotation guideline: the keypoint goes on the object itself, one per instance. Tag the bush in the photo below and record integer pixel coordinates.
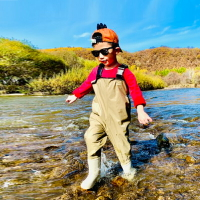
(186, 78)
(173, 78)
(196, 78)
(61, 83)
(40, 85)
(165, 72)
(147, 81)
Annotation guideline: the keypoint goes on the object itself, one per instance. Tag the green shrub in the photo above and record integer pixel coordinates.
(179, 70)
(165, 72)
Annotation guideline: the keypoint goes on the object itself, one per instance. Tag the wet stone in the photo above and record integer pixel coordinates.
(105, 192)
(128, 196)
(67, 169)
(119, 181)
(190, 159)
(51, 148)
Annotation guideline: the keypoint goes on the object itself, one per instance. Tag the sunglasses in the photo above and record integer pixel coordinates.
(104, 52)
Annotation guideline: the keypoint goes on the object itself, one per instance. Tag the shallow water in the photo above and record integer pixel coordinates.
(43, 154)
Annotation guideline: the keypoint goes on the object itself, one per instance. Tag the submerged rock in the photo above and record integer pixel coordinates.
(162, 141)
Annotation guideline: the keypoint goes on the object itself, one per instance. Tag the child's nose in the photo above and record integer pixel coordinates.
(101, 55)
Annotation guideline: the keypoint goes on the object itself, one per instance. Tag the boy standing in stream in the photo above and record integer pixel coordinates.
(110, 117)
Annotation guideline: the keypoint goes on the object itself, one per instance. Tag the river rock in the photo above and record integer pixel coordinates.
(119, 181)
(161, 198)
(190, 159)
(68, 168)
(127, 196)
(104, 194)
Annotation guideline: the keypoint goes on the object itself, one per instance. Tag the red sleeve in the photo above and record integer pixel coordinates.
(86, 86)
(134, 89)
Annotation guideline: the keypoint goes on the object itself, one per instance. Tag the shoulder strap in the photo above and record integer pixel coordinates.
(120, 71)
(119, 74)
(99, 73)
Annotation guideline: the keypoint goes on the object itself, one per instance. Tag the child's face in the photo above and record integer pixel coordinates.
(108, 60)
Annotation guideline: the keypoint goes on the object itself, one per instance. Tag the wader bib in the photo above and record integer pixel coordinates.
(110, 116)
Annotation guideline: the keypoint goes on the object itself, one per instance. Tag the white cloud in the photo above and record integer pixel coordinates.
(186, 29)
(82, 35)
(163, 31)
(150, 27)
(183, 32)
(173, 39)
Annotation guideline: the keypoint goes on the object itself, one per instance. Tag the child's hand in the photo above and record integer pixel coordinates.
(71, 98)
(143, 117)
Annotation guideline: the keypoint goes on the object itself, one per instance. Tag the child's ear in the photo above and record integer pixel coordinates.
(118, 50)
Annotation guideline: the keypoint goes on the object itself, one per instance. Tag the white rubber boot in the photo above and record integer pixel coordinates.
(94, 166)
(128, 171)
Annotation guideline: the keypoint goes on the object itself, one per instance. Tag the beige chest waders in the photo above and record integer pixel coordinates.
(110, 117)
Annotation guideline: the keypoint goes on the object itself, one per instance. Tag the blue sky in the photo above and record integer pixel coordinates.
(140, 24)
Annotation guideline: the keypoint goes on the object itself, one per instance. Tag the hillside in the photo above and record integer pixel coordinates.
(164, 58)
(151, 59)
(24, 69)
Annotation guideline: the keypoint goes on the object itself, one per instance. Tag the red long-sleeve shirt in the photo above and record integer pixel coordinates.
(129, 78)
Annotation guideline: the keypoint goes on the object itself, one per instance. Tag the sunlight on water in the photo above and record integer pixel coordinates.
(43, 153)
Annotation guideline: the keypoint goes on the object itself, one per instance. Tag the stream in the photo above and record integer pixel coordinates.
(43, 153)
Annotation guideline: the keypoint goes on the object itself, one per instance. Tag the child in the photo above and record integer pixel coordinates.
(110, 116)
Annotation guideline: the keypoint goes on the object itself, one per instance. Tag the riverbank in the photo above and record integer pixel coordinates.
(179, 86)
(183, 86)
(23, 94)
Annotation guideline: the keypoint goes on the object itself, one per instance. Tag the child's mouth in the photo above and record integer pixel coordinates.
(103, 61)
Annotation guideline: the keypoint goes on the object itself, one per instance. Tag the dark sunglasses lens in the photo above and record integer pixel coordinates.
(105, 52)
(95, 53)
